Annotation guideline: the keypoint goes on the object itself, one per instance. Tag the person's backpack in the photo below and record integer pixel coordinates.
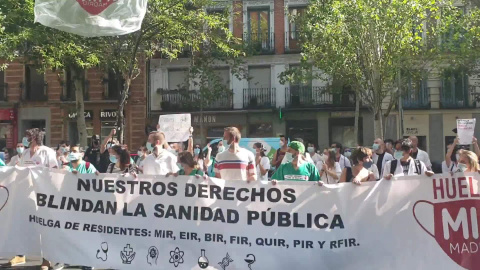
(393, 166)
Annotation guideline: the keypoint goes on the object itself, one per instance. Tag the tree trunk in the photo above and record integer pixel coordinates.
(357, 116)
(79, 82)
(378, 124)
(121, 106)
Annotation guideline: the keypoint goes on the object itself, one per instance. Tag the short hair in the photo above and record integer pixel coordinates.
(299, 140)
(359, 154)
(338, 145)
(158, 136)
(36, 134)
(234, 133)
(389, 141)
(187, 158)
(281, 136)
(406, 145)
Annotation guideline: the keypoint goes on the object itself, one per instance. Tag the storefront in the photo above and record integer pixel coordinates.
(98, 121)
(72, 126)
(8, 128)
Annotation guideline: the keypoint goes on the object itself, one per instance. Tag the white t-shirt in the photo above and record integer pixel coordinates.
(411, 169)
(316, 158)
(266, 165)
(235, 166)
(344, 162)
(140, 163)
(43, 157)
(446, 169)
(423, 157)
(15, 160)
(162, 164)
(327, 179)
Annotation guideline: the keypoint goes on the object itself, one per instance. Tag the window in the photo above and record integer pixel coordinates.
(260, 77)
(259, 35)
(3, 86)
(177, 79)
(69, 85)
(35, 86)
(453, 37)
(295, 14)
(260, 130)
(106, 128)
(114, 86)
(454, 89)
(215, 132)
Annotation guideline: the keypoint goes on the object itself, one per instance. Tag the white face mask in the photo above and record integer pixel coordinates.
(462, 167)
(398, 154)
(310, 149)
(457, 156)
(289, 157)
(74, 156)
(140, 153)
(282, 143)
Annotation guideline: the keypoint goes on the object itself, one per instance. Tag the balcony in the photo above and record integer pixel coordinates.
(69, 91)
(3, 91)
(259, 43)
(292, 42)
(317, 97)
(189, 101)
(451, 98)
(416, 99)
(258, 98)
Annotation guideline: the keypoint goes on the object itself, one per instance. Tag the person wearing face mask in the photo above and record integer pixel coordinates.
(418, 153)
(262, 161)
(371, 166)
(76, 164)
(15, 160)
(467, 161)
(398, 153)
(311, 149)
(341, 159)
(142, 154)
(93, 154)
(389, 143)
(63, 150)
(187, 165)
(358, 173)
(329, 169)
(380, 156)
(160, 161)
(280, 154)
(298, 169)
(120, 161)
(105, 146)
(306, 156)
(449, 165)
(406, 165)
(235, 163)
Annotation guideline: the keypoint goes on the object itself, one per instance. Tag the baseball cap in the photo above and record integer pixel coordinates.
(296, 145)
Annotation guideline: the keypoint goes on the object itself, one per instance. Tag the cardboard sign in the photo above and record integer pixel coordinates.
(465, 130)
(176, 127)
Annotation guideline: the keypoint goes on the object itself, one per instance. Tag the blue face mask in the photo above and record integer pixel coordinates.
(375, 147)
(149, 147)
(113, 159)
(25, 142)
(367, 164)
(398, 154)
(20, 150)
(196, 151)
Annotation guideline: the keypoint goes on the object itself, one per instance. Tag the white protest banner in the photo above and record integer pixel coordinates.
(109, 221)
(92, 18)
(465, 130)
(176, 127)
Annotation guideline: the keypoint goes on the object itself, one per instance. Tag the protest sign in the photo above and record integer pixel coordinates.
(176, 127)
(110, 221)
(465, 130)
(92, 18)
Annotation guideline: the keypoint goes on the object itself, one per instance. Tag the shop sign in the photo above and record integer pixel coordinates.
(411, 131)
(108, 114)
(88, 115)
(7, 114)
(204, 119)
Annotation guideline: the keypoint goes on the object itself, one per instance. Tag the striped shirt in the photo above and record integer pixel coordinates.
(235, 166)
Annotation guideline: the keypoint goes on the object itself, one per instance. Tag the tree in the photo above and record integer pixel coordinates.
(49, 49)
(367, 44)
(170, 28)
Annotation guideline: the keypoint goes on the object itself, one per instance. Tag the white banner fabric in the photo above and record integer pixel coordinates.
(109, 221)
(465, 130)
(92, 18)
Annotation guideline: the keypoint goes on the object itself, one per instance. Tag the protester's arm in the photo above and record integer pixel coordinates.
(251, 170)
(190, 145)
(314, 174)
(427, 161)
(386, 171)
(208, 158)
(476, 149)
(332, 172)
(426, 170)
(343, 177)
(274, 160)
(448, 156)
(106, 140)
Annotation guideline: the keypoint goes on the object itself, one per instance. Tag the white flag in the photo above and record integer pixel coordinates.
(92, 18)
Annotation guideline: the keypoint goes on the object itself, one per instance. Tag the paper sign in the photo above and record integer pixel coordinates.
(176, 127)
(465, 129)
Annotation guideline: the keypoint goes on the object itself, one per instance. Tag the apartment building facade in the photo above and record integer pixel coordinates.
(264, 107)
(30, 99)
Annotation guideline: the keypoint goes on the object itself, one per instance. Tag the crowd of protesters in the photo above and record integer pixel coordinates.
(293, 161)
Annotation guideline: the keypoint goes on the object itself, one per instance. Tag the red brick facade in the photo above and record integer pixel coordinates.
(57, 131)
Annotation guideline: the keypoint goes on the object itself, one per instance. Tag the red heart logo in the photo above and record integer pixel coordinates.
(95, 7)
(4, 194)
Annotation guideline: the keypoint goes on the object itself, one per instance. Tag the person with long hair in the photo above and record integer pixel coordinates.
(330, 169)
(120, 161)
(142, 154)
(188, 166)
(451, 158)
(358, 173)
(262, 161)
(468, 161)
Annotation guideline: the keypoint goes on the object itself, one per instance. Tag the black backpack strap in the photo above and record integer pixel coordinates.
(393, 166)
(418, 166)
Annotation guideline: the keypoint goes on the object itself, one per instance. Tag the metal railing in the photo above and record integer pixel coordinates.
(308, 96)
(292, 41)
(416, 99)
(260, 43)
(34, 92)
(3, 91)
(68, 93)
(452, 98)
(258, 98)
(192, 100)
